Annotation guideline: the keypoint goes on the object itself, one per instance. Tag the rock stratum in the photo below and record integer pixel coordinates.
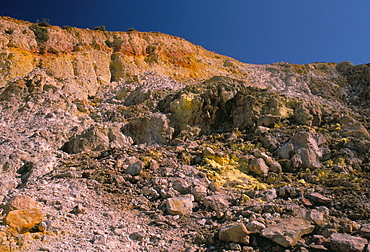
(142, 141)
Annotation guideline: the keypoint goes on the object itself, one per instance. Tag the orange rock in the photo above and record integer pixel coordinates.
(21, 202)
(24, 220)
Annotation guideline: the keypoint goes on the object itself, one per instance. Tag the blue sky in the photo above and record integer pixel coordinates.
(252, 31)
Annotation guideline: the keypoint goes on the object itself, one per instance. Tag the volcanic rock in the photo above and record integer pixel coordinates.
(235, 232)
(287, 232)
(23, 220)
(345, 242)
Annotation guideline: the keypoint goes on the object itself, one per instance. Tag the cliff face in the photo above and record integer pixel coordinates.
(90, 58)
(141, 141)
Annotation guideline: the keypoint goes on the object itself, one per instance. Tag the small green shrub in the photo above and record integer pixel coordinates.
(45, 22)
(41, 33)
(131, 29)
(100, 28)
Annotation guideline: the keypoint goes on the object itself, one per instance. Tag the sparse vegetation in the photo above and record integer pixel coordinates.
(45, 22)
(100, 28)
(41, 33)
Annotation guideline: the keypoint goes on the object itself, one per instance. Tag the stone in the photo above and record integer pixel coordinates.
(275, 166)
(180, 185)
(270, 195)
(150, 129)
(23, 220)
(218, 203)
(258, 166)
(319, 198)
(365, 230)
(235, 232)
(97, 138)
(248, 249)
(268, 120)
(308, 114)
(287, 232)
(78, 209)
(21, 202)
(316, 217)
(208, 152)
(255, 226)
(235, 246)
(199, 192)
(135, 168)
(137, 236)
(303, 149)
(345, 243)
(260, 130)
(179, 206)
(353, 128)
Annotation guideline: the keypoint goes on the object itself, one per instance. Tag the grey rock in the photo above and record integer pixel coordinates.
(135, 168)
(308, 114)
(270, 195)
(347, 243)
(180, 185)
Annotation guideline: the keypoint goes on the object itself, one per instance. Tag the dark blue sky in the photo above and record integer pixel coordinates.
(252, 31)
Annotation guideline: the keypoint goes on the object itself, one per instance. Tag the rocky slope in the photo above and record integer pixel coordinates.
(141, 141)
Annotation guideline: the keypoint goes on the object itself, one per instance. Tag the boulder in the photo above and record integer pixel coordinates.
(308, 114)
(199, 192)
(255, 226)
(150, 129)
(365, 230)
(273, 165)
(97, 138)
(316, 217)
(235, 232)
(303, 149)
(21, 202)
(258, 166)
(135, 168)
(268, 120)
(23, 220)
(179, 206)
(288, 231)
(354, 129)
(347, 243)
(319, 199)
(218, 203)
